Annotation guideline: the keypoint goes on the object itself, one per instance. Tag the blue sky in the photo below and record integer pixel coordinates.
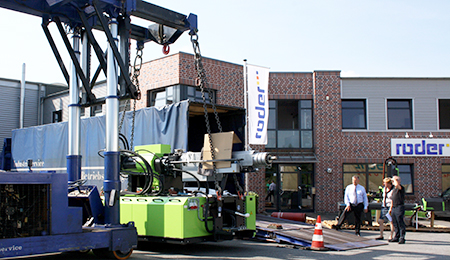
(360, 38)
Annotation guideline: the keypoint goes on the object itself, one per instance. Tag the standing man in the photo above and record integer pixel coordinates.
(397, 211)
(356, 201)
(271, 193)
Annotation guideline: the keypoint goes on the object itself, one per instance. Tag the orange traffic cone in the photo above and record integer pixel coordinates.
(317, 239)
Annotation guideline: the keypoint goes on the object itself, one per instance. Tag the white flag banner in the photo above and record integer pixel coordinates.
(258, 104)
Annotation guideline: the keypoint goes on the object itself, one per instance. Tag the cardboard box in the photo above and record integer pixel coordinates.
(223, 148)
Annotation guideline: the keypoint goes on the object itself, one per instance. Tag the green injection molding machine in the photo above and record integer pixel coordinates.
(163, 209)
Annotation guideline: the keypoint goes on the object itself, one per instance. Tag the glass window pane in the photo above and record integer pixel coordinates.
(191, 91)
(354, 168)
(399, 119)
(288, 168)
(406, 177)
(353, 104)
(160, 99)
(289, 181)
(305, 119)
(288, 139)
(445, 181)
(272, 103)
(307, 139)
(271, 139)
(444, 113)
(375, 181)
(446, 168)
(272, 120)
(375, 167)
(169, 91)
(287, 114)
(445, 176)
(305, 103)
(399, 114)
(353, 119)
(398, 104)
(353, 114)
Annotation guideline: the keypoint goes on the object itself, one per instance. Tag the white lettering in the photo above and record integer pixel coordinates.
(11, 248)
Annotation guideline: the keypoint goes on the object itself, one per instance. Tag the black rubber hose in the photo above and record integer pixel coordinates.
(196, 179)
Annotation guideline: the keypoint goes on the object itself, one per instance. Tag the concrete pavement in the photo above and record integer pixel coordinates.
(419, 245)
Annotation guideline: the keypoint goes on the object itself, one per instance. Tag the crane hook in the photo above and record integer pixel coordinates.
(166, 49)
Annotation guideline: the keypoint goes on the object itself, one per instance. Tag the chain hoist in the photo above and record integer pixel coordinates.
(201, 82)
(135, 80)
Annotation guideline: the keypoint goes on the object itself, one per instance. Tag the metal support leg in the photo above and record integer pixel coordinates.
(112, 183)
(74, 157)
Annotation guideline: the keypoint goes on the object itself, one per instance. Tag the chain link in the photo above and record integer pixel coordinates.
(135, 80)
(123, 115)
(202, 82)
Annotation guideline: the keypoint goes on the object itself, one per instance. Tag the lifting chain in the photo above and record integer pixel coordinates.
(239, 189)
(135, 79)
(201, 81)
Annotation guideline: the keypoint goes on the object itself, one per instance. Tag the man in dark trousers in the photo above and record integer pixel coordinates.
(356, 201)
(397, 211)
(272, 188)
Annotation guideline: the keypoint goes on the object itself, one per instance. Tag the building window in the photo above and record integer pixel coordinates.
(371, 176)
(57, 116)
(272, 125)
(406, 176)
(177, 93)
(290, 124)
(96, 110)
(399, 114)
(445, 177)
(354, 114)
(444, 113)
(160, 97)
(306, 134)
(195, 94)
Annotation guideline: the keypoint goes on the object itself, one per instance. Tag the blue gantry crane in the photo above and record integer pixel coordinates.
(43, 212)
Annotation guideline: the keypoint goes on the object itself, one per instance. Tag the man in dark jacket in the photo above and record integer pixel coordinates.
(397, 211)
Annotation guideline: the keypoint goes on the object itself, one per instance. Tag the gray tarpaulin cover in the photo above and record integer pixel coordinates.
(47, 145)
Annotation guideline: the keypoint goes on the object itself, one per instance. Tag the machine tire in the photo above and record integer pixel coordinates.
(121, 256)
(105, 253)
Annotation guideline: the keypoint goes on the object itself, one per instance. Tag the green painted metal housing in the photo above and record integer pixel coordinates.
(177, 217)
(150, 153)
(181, 217)
(166, 217)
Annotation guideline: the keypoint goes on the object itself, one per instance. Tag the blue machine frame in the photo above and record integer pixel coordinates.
(65, 230)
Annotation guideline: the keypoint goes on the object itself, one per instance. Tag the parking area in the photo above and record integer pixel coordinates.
(419, 245)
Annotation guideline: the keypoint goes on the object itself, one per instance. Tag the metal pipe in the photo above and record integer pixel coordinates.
(39, 104)
(111, 184)
(85, 60)
(246, 119)
(112, 101)
(74, 129)
(74, 108)
(245, 105)
(22, 97)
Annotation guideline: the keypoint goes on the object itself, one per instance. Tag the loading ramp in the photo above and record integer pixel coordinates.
(300, 234)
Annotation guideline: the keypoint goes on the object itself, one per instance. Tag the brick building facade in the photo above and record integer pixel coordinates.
(319, 145)
(334, 148)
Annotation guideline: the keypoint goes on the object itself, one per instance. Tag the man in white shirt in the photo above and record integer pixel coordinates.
(356, 201)
(272, 188)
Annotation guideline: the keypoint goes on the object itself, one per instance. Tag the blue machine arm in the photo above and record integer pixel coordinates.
(67, 11)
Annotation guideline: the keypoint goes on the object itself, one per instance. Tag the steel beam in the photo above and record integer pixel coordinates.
(76, 63)
(55, 50)
(115, 55)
